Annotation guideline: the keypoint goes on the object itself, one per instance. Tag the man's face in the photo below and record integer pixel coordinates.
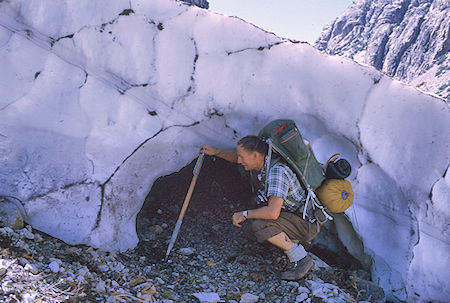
(249, 160)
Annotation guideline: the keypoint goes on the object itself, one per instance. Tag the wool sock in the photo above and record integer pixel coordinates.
(297, 252)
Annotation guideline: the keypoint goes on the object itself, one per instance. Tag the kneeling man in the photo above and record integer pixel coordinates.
(278, 220)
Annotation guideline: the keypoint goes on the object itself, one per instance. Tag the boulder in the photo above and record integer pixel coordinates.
(10, 214)
(370, 291)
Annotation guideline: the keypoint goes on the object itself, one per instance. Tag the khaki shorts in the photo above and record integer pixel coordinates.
(294, 226)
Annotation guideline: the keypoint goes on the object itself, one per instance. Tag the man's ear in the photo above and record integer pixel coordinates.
(257, 156)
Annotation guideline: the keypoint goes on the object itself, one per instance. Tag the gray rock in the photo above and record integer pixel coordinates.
(23, 261)
(10, 215)
(319, 262)
(186, 251)
(207, 296)
(103, 268)
(370, 291)
(25, 233)
(303, 289)
(248, 298)
(54, 266)
(28, 298)
(33, 268)
(301, 297)
(100, 287)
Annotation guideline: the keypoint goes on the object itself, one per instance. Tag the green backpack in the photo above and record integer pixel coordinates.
(326, 192)
(285, 139)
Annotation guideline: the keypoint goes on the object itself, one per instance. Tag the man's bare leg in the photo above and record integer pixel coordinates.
(294, 251)
(301, 263)
(281, 240)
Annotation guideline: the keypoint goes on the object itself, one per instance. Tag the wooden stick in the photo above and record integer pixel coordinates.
(196, 172)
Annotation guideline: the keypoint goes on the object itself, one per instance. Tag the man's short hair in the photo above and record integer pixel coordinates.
(254, 143)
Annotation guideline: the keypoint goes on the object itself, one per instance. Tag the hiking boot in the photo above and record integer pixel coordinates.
(298, 269)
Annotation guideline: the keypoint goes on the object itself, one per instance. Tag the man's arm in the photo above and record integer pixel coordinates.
(269, 212)
(229, 155)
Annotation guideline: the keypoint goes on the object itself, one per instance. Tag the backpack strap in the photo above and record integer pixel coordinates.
(311, 197)
(306, 166)
(268, 158)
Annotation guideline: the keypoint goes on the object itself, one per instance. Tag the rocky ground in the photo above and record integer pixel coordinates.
(211, 261)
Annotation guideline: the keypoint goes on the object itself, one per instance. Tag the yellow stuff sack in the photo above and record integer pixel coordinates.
(335, 194)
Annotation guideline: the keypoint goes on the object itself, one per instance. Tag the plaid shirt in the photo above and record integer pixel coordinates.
(283, 183)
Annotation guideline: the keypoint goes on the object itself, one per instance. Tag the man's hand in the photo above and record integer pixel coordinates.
(238, 218)
(209, 150)
(268, 212)
(229, 155)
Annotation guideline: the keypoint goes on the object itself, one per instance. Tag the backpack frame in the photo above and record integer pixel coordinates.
(284, 138)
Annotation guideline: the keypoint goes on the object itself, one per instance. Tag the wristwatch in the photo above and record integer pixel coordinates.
(245, 213)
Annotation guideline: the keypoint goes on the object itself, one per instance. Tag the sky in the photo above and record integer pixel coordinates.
(301, 20)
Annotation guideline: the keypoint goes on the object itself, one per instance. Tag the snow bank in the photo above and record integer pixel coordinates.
(100, 98)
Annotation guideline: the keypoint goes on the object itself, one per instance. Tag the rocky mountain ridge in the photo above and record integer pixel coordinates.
(199, 3)
(407, 39)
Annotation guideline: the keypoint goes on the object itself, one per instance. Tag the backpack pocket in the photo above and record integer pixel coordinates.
(292, 142)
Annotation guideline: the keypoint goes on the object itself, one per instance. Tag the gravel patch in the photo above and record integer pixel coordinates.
(211, 261)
